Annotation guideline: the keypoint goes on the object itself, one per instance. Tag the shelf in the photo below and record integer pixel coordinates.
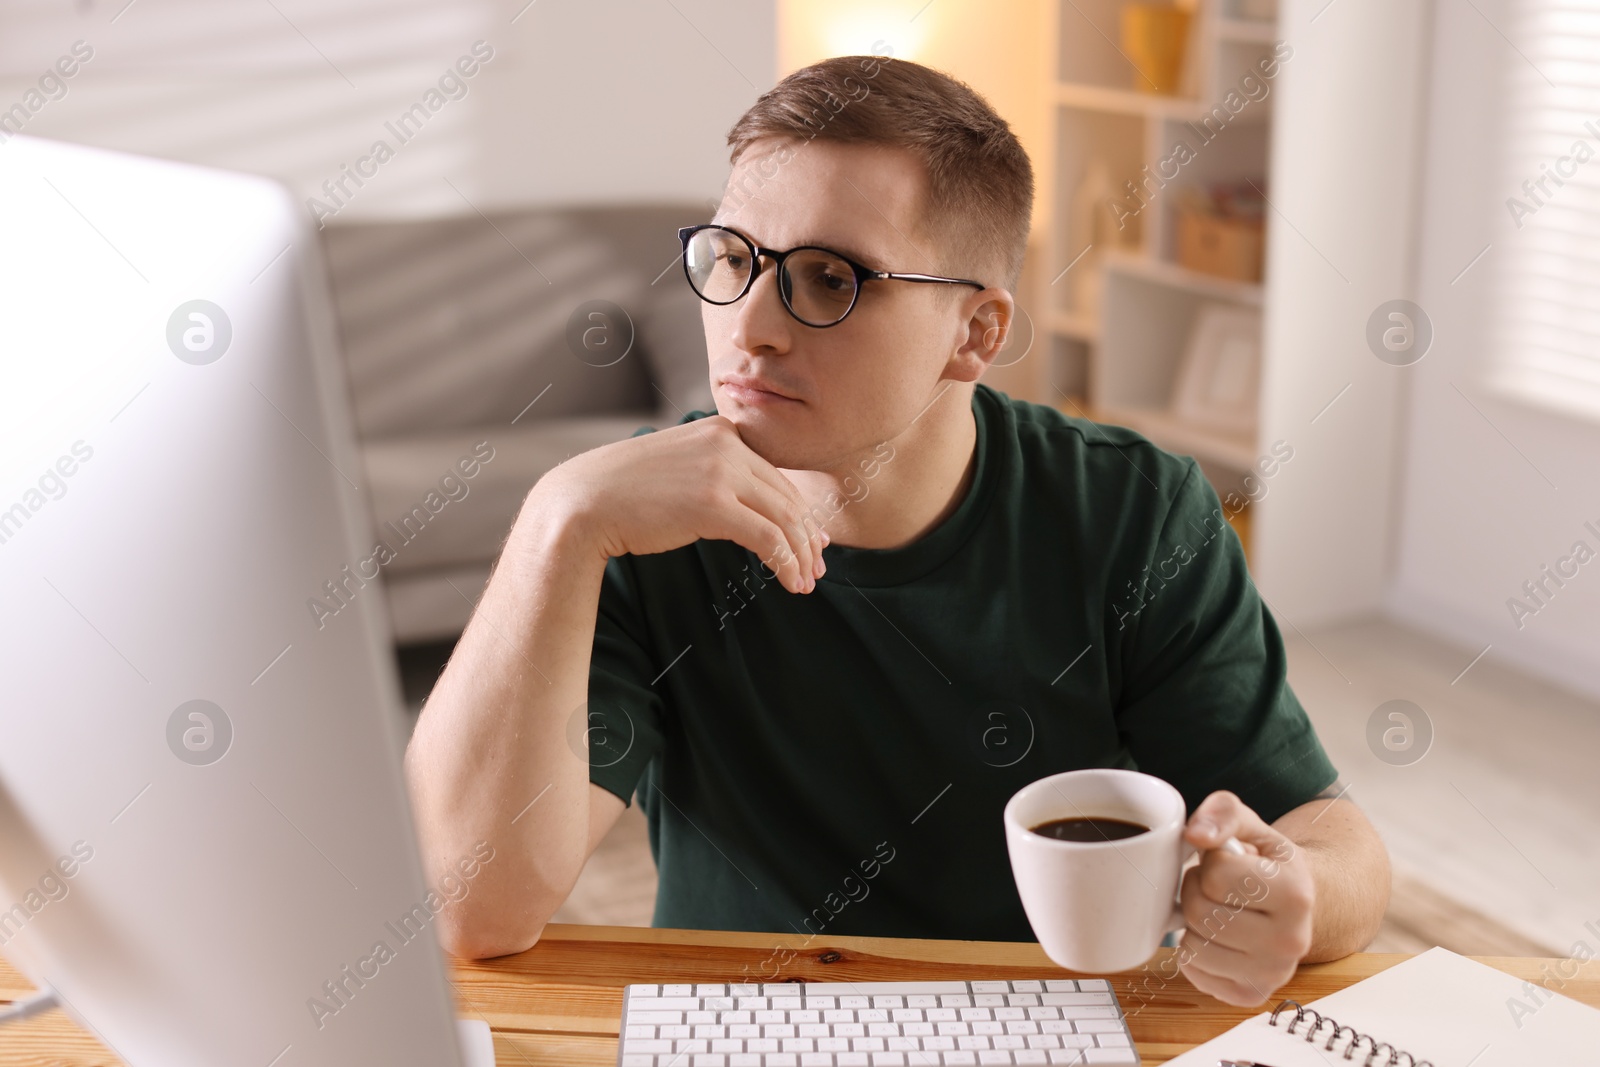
(1176, 277)
(1225, 450)
(1127, 101)
(1255, 31)
(1072, 324)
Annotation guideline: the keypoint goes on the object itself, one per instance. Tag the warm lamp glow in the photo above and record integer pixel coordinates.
(809, 30)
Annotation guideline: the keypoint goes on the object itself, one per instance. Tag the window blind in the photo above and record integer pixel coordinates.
(1545, 338)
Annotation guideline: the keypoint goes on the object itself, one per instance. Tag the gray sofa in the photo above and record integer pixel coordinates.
(452, 328)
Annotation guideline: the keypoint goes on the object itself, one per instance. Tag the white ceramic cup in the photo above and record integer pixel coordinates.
(1100, 906)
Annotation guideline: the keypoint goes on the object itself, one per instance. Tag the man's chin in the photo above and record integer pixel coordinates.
(782, 450)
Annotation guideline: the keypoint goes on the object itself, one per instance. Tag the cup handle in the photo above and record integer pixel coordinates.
(1175, 921)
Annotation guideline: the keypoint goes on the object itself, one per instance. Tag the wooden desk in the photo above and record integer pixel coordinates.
(558, 1004)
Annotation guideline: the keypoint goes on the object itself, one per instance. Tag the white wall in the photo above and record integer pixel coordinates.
(1345, 158)
(1493, 489)
(598, 101)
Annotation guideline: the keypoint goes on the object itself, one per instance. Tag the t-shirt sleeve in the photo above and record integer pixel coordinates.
(624, 711)
(1206, 702)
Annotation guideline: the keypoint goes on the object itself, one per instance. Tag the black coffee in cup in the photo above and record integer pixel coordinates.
(1090, 828)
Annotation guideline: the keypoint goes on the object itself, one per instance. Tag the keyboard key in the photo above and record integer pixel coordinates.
(1099, 1026)
(1030, 1055)
(1110, 1055)
(1060, 985)
(1062, 1000)
(677, 990)
(1094, 985)
(991, 987)
(1027, 986)
(1070, 1056)
(994, 1056)
(664, 1004)
(643, 990)
(650, 1046)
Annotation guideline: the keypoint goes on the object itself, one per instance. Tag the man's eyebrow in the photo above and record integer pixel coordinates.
(844, 248)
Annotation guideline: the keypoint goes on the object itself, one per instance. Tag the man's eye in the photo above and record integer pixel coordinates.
(733, 260)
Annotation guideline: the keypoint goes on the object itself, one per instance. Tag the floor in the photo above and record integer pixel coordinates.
(1491, 831)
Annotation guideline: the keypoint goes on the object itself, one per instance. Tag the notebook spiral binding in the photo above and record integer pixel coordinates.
(1374, 1046)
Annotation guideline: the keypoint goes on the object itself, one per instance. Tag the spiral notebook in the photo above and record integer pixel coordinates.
(1439, 1007)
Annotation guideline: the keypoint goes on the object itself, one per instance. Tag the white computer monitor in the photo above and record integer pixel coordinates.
(204, 831)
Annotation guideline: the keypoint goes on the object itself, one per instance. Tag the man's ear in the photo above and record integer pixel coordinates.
(990, 316)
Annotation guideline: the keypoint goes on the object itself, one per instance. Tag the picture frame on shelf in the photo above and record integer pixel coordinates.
(1219, 376)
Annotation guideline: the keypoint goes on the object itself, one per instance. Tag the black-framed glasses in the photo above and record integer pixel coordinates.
(819, 286)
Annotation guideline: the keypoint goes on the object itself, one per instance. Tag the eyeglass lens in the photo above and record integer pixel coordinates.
(818, 287)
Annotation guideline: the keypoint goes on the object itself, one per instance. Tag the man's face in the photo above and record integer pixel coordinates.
(863, 380)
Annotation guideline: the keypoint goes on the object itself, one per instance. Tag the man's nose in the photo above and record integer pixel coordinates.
(760, 319)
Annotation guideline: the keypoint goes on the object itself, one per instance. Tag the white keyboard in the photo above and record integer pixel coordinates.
(874, 1024)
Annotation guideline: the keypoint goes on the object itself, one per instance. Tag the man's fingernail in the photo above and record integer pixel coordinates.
(1205, 827)
(825, 537)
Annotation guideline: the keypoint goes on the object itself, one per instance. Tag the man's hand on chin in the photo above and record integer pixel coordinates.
(1249, 916)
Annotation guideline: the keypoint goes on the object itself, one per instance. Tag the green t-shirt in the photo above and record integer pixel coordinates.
(837, 762)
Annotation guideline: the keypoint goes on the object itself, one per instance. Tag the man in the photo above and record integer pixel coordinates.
(827, 631)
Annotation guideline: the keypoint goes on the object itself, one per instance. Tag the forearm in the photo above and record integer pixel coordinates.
(490, 759)
(1350, 868)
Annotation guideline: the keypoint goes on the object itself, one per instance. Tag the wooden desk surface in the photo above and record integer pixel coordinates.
(559, 1003)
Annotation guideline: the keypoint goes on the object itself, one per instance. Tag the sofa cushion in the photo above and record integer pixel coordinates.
(432, 513)
(458, 322)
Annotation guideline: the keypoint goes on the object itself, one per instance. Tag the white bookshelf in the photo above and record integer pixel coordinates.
(1112, 342)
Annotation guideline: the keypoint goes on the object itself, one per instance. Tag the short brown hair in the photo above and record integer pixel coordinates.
(980, 198)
